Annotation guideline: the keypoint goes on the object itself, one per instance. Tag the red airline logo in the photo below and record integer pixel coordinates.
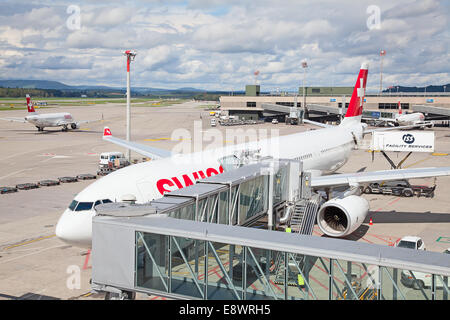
(107, 132)
(30, 105)
(176, 182)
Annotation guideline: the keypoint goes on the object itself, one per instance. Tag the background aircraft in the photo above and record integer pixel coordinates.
(62, 119)
(405, 120)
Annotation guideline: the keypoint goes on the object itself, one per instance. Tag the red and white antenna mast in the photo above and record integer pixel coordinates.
(256, 73)
(382, 54)
(130, 57)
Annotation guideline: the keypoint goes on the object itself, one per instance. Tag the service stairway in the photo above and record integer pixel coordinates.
(302, 222)
(304, 215)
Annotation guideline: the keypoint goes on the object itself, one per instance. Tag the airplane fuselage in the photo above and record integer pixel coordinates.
(50, 119)
(410, 119)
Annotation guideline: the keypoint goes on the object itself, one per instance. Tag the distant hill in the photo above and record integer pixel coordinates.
(420, 89)
(46, 88)
(56, 85)
(34, 84)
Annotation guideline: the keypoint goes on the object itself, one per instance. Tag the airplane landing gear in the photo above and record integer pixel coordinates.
(40, 128)
(64, 129)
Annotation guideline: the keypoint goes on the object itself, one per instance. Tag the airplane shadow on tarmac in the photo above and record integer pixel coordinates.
(397, 217)
(35, 132)
(407, 217)
(28, 296)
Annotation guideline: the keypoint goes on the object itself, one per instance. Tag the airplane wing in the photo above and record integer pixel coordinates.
(319, 124)
(87, 121)
(151, 152)
(343, 179)
(66, 123)
(369, 131)
(14, 119)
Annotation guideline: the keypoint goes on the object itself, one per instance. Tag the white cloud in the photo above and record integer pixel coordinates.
(214, 44)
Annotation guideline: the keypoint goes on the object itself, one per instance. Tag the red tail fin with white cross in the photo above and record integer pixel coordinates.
(106, 132)
(356, 102)
(30, 105)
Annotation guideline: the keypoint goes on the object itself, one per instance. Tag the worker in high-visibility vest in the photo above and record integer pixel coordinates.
(300, 280)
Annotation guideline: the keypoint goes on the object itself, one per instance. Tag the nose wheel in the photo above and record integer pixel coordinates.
(64, 129)
(40, 129)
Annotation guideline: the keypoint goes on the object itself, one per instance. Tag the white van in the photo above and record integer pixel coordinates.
(213, 122)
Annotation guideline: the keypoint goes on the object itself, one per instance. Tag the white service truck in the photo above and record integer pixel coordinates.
(110, 161)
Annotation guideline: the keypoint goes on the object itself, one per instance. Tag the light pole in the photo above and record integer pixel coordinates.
(382, 54)
(304, 66)
(130, 57)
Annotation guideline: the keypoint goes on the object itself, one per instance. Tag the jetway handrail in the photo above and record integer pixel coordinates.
(393, 257)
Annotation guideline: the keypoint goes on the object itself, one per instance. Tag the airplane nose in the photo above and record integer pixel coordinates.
(75, 228)
(62, 230)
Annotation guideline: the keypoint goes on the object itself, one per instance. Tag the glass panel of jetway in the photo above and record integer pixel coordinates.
(236, 197)
(399, 284)
(353, 281)
(152, 270)
(252, 198)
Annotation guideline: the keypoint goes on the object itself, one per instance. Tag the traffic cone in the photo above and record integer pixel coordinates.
(370, 221)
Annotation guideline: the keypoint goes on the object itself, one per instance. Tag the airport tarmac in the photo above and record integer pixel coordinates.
(34, 264)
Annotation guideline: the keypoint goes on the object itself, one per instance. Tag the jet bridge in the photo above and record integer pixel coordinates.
(182, 259)
(198, 243)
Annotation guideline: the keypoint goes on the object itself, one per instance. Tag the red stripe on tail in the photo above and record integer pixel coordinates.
(356, 102)
(30, 104)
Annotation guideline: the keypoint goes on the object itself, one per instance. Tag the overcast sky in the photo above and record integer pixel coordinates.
(215, 44)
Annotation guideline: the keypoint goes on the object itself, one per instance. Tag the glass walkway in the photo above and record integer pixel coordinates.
(194, 244)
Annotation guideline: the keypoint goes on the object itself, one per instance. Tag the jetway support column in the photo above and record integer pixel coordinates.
(270, 205)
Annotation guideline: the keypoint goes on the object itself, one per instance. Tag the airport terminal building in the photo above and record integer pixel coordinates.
(325, 100)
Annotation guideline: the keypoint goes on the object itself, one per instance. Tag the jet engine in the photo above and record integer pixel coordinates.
(75, 126)
(339, 217)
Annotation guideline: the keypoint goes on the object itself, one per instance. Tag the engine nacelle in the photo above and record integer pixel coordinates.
(75, 126)
(339, 217)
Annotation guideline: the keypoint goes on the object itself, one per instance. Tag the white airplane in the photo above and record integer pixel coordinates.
(406, 120)
(322, 151)
(62, 119)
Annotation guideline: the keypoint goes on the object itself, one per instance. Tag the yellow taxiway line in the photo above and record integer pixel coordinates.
(30, 241)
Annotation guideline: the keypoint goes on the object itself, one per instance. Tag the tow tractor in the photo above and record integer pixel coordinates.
(400, 188)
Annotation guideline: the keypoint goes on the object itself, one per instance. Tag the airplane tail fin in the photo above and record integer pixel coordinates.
(106, 132)
(354, 111)
(30, 105)
(399, 108)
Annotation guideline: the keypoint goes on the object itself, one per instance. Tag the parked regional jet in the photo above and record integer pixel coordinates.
(416, 118)
(406, 120)
(322, 151)
(62, 119)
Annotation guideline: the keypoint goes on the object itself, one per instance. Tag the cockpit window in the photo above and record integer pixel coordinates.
(106, 201)
(97, 203)
(73, 205)
(82, 206)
